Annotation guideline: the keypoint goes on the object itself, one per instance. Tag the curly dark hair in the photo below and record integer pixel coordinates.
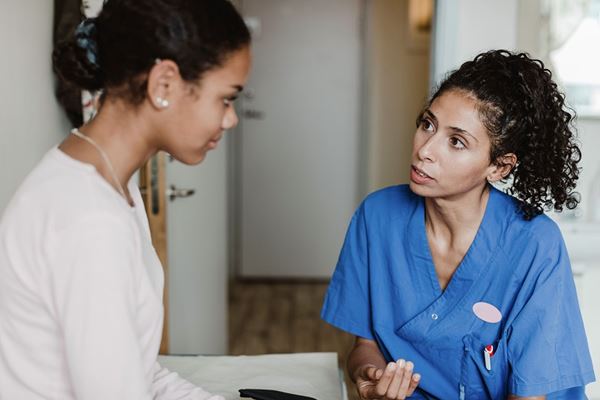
(525, 114)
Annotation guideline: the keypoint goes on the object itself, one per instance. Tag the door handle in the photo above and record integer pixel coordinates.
(173, 192)
(253, 114)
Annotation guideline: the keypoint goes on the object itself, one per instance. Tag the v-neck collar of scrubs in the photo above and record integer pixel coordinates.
(476, 260)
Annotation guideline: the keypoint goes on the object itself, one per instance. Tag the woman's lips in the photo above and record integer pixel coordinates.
(418, 176)
(212, 144)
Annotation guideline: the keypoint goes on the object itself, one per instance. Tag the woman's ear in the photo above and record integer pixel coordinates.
(502, 167)
(162, 83)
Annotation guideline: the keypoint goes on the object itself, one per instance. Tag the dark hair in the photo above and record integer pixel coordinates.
(525, 114)
(115, 50)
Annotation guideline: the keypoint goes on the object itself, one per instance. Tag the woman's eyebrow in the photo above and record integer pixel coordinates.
(239, 88)
(455, 129)
(431, 115)
(462, 131)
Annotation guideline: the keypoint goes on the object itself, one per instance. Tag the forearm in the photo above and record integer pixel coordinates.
(169, 385)
(364, 352)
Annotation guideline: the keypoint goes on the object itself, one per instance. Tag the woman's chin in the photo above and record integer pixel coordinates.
(417, 189)
(198, 159)
(420, 190)
(191, 158)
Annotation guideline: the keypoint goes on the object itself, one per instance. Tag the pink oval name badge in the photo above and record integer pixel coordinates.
(487, 312)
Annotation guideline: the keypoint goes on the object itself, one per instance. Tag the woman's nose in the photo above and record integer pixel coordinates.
(427, 150)
(230, 119)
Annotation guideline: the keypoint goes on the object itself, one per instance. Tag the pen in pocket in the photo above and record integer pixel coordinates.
(488, 353)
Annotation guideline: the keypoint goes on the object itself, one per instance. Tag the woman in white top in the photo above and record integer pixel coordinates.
(80, 283)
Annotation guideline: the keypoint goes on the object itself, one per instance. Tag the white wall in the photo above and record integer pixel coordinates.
(30, 119)
(464, 28)
(397, 83)
(298, 165)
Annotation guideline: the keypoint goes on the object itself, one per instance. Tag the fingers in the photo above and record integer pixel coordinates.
(366, 389)
(402, 392)
(370, 381)
(397, 381)
(373, 373)
(414, 382)
(386, 379)
(367, 380)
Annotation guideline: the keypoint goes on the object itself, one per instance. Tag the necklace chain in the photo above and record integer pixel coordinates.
(77, 133)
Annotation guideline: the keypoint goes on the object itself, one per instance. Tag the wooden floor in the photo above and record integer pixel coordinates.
(274, 317)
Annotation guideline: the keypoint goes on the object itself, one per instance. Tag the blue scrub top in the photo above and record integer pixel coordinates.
(385, 288)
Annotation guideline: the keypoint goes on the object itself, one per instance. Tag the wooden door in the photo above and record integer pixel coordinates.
(153, 188)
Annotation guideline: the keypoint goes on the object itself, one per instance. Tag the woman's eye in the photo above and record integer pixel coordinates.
(229, 100)
(457, 143)
(427, 125)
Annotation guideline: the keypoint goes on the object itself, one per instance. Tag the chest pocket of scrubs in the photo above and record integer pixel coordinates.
(476, 381)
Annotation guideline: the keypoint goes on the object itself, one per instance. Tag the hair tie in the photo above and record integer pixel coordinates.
(85, 36)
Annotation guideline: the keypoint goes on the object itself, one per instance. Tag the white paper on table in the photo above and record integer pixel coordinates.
(307, 374)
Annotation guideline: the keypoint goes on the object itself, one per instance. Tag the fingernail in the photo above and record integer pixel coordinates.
(392, 366)
(416, 377)
(401, 363)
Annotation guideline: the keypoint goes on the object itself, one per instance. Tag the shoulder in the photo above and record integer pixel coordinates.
(536, 248)
(544, 227)
(60, 193)
(540, 230)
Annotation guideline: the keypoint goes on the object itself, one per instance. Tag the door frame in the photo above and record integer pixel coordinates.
(153, 188)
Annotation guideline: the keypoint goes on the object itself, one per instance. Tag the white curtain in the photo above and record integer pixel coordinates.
(562, 17)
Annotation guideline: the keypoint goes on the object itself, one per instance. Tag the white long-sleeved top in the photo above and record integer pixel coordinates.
(80, 292)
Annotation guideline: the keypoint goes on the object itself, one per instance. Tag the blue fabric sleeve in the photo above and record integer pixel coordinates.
(347, 302)
(547, 345)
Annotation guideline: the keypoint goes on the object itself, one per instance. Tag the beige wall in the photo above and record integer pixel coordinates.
(397, 85)
(30, 119)
(529, 25)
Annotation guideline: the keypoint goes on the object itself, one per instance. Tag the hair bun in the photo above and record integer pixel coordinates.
(76, 60)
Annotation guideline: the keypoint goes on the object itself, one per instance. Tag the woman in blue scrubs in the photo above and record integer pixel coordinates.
(454, 289)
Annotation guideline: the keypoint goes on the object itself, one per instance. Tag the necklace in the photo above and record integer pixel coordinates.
(77, 133)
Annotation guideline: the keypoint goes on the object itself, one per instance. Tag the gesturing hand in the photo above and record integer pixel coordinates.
(395, 382)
